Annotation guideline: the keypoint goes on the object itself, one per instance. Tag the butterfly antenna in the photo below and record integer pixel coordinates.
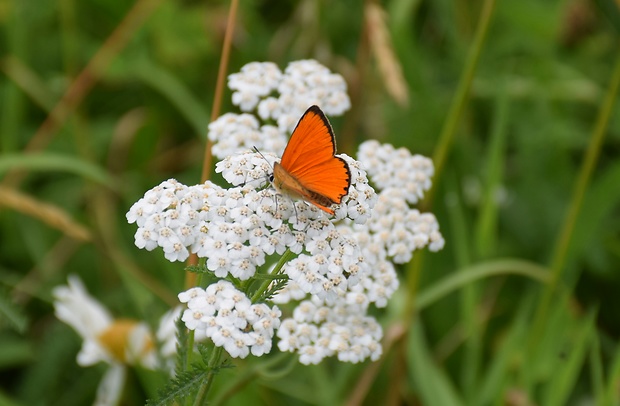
(261, 154)
(268, 176)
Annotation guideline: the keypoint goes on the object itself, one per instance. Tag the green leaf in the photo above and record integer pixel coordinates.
(12, 314)
(15, 351)
(182, 348)
(565, 376)
(6, 401)
(472, 273)
(431, 382)
(509, 352)
(49, 161)
(186, 384)
(613, 395)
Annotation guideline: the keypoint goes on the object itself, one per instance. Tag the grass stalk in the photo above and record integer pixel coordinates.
(190, 278)
(87, 78)
(219, 86)
(448, 131)
(562, 245)
(446, 139)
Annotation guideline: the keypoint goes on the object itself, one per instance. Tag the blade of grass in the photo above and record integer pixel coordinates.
(432, 383)
(462, 277)
(505, 355)
(596, 372)
(87, 78)
(600, 203)
(612, 392)
(485, 231)
(190, 278)
(15, 38)
(447, 136)
(470, 292)
(171, 87)
(565, 235)
(29, 82)
(49, 162)
(49, 214)
(565, 377)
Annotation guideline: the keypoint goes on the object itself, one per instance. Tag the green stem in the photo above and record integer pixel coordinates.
(448, 131)
(446, 139)
(263, 287)
(201, 397)
(563, 242)
(190, 336)
(255, 371)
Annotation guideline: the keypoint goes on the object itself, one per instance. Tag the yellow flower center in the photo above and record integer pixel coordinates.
(116, 339)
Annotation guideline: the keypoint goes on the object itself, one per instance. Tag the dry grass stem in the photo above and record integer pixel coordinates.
(381, 45)
(47, 213)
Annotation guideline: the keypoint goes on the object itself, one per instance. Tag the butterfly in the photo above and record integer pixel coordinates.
(308, 169)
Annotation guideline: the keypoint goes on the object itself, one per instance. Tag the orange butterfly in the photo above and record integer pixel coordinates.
(308, 169)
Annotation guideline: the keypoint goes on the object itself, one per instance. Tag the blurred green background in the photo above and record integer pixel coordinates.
(100, 103)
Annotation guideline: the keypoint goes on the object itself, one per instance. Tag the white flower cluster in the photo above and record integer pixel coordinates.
(342, 265)
(253, 169)
(396, 230)
(341, 327)
(229, 318)
(317, 330)
(237, 228)
(359, 202)
(234, 133)
(255, 81)
(397, 168)
(278, 96)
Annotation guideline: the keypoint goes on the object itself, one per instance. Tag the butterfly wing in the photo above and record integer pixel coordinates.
(309, 157)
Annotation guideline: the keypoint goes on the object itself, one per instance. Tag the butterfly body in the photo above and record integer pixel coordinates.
(308, 169)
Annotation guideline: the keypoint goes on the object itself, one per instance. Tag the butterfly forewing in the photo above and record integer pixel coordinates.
(311, 143)
(319, 177)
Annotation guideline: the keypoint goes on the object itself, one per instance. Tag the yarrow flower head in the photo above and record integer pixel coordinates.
(391, 168)
(228, 317)
(330, 269)
(278, 98)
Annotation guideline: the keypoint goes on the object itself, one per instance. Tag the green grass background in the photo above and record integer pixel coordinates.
(519, 308)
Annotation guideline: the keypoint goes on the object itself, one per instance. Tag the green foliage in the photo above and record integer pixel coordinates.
(279, 282)
(187, 382)
(182, 387)
(11, 314)
(182, 347)
(466, 315)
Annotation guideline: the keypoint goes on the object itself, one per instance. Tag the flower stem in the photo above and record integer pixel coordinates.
(563, 242)
(241, 380)
(276, 270)
(190, 336)
(190, 277)
(201, 397)
(219, 86)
